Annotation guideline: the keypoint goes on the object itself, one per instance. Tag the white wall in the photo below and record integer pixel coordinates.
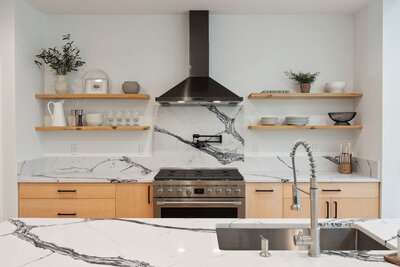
(248, 54)
(7, 54)
(368, 79)
(391, 110)
(29, 40)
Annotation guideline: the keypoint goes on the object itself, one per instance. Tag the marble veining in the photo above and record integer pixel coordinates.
(227, 121)
(23, 232)
(356, 254)
(224, 156)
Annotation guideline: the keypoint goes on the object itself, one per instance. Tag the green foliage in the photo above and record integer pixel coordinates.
(302, 77)
(62, 62)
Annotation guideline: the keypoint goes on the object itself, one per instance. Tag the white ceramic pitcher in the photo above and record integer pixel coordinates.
(57, 116)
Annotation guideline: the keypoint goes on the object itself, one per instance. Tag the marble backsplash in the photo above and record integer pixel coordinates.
(137, 168)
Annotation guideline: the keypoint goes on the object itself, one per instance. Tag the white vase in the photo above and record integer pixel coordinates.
(61, 84)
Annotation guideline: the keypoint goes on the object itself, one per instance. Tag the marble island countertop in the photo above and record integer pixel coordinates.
(167, 242)
(256, 177)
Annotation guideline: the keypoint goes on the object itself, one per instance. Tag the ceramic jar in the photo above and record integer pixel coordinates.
(130, 87)
(61, 84)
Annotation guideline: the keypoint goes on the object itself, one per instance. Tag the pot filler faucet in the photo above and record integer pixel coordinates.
(312, 240)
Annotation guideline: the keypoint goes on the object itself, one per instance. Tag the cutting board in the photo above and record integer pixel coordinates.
(392, 258)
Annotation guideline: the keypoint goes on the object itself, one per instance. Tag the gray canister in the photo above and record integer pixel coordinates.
(130, 87)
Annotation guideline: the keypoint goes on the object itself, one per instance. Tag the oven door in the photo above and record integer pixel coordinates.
(199, 208)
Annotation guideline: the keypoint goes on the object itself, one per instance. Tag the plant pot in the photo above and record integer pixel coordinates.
(305, 87)
(130, 87)
(61, 84)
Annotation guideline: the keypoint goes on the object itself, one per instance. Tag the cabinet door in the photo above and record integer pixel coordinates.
(264, 200)
(355, 208)
(134, 200)
(324, 208)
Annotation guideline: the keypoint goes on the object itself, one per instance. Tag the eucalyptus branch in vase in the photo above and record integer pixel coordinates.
(61, 62)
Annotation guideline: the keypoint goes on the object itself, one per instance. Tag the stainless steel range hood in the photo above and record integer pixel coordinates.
(199, 88)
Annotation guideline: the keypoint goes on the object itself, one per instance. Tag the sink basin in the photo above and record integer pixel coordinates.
(282, 239)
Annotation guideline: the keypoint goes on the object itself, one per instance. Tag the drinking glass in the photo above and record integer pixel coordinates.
(136, 118)
(110, 117)
(119, 117)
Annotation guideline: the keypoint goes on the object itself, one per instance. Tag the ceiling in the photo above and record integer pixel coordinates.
(215, 6)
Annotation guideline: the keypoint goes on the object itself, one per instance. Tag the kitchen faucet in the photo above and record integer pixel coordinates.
(312, 240)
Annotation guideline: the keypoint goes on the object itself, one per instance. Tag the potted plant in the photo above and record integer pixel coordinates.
(304, 79)
(61, 62)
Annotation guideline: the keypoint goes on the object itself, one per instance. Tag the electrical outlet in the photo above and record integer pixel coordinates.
(141, 149)
(74, 149)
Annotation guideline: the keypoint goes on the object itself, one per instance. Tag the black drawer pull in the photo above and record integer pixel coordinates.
(148, 194)
(327, 209)
(66, 191)
(264, 190)
(331, 190)
(66, 214)
(335, 202)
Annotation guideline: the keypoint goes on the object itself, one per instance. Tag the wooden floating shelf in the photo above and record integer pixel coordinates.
(304, 127)
(93, 96)
(304, 96)
(92, 128)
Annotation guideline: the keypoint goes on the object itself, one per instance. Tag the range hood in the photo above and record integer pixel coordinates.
(199, 88)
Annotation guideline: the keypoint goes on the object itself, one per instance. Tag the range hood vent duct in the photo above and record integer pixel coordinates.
(199, 88)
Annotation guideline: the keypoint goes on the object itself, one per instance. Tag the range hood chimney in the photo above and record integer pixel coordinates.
(199, 88)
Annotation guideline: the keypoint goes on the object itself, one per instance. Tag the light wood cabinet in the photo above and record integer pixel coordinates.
(337, 200)
(67, 200)
(134, 200)
(67, 208)
(264, 200)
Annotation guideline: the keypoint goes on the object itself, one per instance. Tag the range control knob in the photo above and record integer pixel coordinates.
(170, 189)
(188, 191)
(160, 189)
(238, 190)
(219, 189)
(179, 189)
(209, 189)
(228, 190)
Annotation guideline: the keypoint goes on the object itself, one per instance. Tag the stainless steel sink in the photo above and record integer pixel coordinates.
(282, 239)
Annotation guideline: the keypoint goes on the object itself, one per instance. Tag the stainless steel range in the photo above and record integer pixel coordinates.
(199, 193)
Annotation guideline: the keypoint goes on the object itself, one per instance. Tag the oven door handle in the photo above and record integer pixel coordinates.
(166, 202)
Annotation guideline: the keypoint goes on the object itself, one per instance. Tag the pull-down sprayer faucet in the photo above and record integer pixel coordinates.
(312, 240)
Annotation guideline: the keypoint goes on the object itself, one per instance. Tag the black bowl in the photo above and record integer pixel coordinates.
(342, 118)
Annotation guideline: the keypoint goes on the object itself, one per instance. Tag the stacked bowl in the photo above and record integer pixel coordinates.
(269, 120)
(297, 120)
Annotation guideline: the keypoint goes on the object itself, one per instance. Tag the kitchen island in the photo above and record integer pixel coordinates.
(168, 242)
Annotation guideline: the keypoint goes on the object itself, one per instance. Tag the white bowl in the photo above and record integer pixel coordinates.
(93, 122)
(335, 87)
(94, 119)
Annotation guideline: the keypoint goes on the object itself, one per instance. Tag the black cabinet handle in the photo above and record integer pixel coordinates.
(335, 202)
(66, 191)
(331, 190)
(66, 214)
(264, 191)
(327, 209)
(148, 194)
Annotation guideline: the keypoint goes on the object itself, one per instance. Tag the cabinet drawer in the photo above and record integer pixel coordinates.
(67, 208)
(351, 190)
(66, 190)
(264, 200)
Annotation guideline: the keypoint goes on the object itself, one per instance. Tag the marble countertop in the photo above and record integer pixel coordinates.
(166, 242)
(250, 177)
